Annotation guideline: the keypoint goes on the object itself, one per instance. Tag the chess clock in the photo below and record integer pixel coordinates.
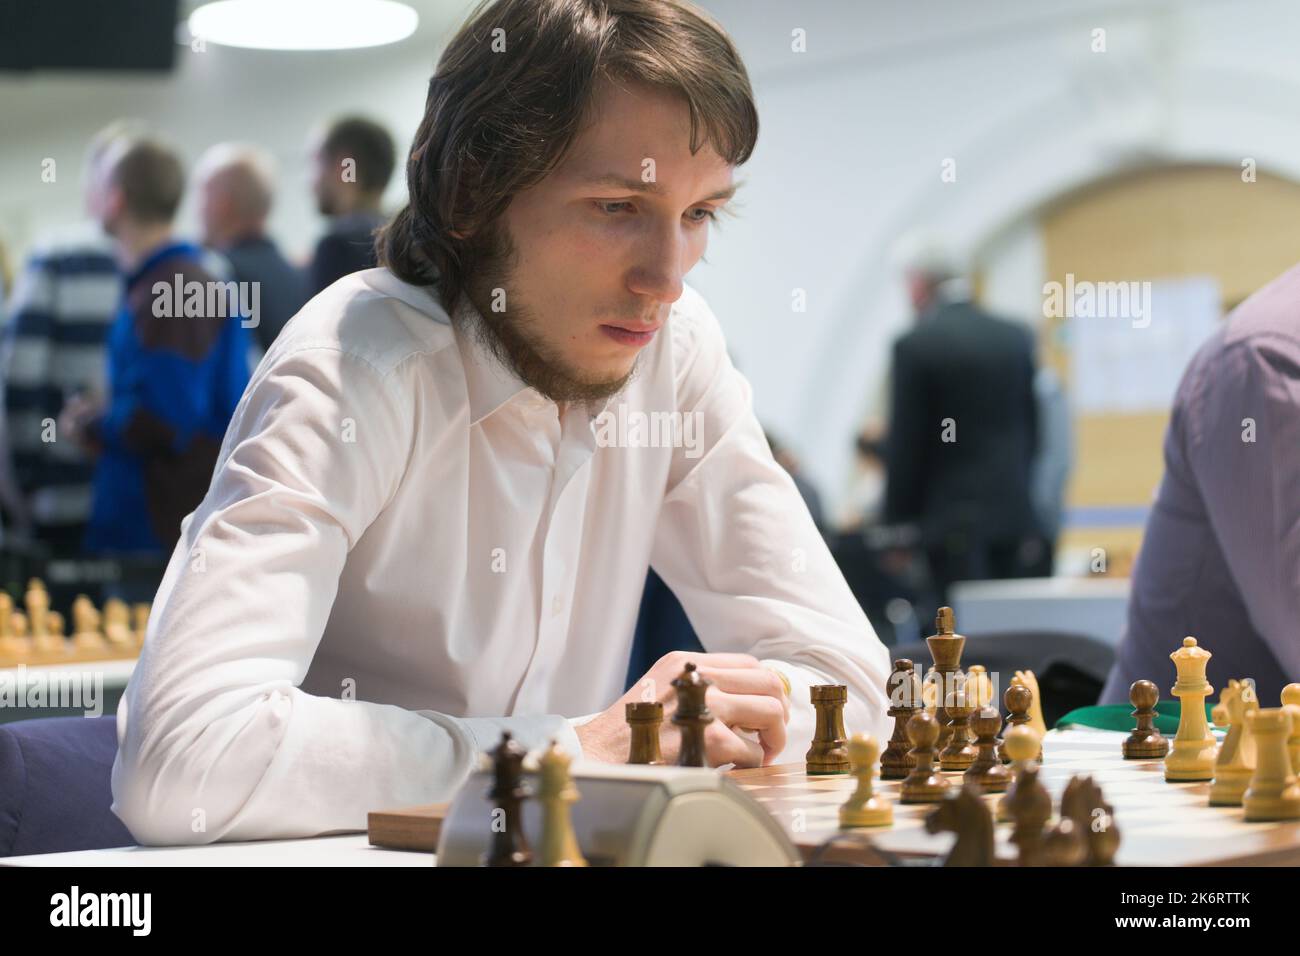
(631, 815)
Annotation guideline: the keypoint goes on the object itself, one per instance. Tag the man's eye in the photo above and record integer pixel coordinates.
(709, 215)
(611, 208)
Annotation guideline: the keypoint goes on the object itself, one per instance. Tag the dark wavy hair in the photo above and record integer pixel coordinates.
(510, 95)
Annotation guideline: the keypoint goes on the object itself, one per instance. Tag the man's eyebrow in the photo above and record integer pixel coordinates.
(637, 186)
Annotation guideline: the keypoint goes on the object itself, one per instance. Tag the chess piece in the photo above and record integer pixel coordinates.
(963, 811)
(1027, 679)
(923, 785)
(1235, 764)
(1094, 819)
(865, 808)
(1063, 845)
(1273, 793)
(828, 754)
(959, 754)
(37, 602)
(904, 690)
(1192, 756)
(1145, 742)
(1027, 803)
(644, 718)
(979, 686)
(945, 647)
(1020, 757)
(987, 772)
(692, 716)
(556, 793)
(1291, 698)
(87, 641)
(509, 846)
(14, 648)
(1017, 698)
(117, 627)
(140, 621)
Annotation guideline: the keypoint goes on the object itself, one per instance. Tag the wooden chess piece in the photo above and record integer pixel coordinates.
(1145, 742)
(1017, 699)
(117, 628)
(959, 754)
(140, 621)
(1093, 817)
(692, 716)
(644, 718)
(1027, 679)
(87, 641)
(987, 771)
(1291, 698)
(1027, 803)
(979, 686)
(509, 846)
(1063, 845)
(556, 793)
(1273, 793)
(963, 811)
(923, 785)
(828, 753)
(1017, 745)
(1235, 763)
(904, 690)
(864, 808)
(945, 647)
(14, 648)
(1192, 756)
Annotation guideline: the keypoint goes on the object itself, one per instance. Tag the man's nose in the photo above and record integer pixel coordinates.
(658, 271)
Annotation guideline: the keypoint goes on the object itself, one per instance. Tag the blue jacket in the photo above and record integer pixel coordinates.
(177, 367)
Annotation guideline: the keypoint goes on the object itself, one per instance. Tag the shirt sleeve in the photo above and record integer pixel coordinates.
(216, 739)
(1241, 433)
(736, 544)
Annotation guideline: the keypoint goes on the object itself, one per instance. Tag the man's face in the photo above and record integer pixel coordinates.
(590, 259)
(326, 175)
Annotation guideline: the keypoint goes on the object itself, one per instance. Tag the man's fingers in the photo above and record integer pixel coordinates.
(752, 712)
(723, 746)
(758, 681)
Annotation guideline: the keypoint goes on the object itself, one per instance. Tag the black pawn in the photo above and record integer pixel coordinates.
(509, 845)
(1145, 742)
(904, 690)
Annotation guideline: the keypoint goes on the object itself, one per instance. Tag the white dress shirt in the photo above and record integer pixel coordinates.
(405, 550)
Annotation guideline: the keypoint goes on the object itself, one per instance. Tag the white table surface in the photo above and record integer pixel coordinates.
(350, 849)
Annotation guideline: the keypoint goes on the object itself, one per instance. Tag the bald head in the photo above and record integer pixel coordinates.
(236, 186)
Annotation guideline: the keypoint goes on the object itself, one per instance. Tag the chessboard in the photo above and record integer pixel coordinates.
(34, 636)
(1160, 823)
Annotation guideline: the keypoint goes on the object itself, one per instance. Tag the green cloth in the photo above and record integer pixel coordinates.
(1119, 717)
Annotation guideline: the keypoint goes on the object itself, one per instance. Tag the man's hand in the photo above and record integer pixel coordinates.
(77, 413)
(745, 696)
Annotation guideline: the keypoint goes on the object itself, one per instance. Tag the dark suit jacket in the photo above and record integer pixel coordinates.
(962, 364)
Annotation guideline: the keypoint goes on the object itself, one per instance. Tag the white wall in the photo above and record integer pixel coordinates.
(854, 132)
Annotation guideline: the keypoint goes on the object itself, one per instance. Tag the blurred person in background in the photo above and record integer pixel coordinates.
(1220, 556)
(176, 368)
(963, 428)
(353, 162)
(54, 348)
(236, 186)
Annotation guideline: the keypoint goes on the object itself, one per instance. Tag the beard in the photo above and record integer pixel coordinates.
(512, 336)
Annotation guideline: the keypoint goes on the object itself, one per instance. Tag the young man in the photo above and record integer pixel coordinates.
(434, 511)
(177, 364)
(353, 163)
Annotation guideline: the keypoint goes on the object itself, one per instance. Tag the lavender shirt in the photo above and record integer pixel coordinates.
(1220, 559)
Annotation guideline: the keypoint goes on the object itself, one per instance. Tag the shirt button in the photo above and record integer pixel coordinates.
(557, 605)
